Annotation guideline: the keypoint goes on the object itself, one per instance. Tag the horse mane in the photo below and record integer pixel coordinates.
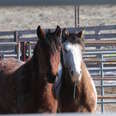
(51, 42)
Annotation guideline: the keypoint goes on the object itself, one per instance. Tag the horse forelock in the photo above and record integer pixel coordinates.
(74, 39)
(53, 42)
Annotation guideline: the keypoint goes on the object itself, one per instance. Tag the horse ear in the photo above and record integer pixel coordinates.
(58, 31)
(65, 34)
(40, 33)
(80, 34)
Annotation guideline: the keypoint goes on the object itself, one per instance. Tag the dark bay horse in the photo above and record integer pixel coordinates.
(28, 87)
(77, 91)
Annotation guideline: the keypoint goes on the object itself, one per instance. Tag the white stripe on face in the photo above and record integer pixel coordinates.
(72, 56)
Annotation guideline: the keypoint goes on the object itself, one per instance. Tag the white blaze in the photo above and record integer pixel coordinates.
(72, 56)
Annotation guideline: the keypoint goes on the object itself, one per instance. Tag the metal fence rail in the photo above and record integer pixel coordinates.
(99, 54)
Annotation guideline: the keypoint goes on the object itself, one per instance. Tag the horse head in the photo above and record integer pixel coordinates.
(72, 47)
(48, 52)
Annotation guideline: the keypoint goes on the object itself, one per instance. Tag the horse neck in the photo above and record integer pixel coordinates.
(68, 84)
(84, 88)
(87, 80)
(43, 89)
(85, 73)
(40, 72)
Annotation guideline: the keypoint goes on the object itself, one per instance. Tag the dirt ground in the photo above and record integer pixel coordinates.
(111, 91)
(108, 107)
(20, 18)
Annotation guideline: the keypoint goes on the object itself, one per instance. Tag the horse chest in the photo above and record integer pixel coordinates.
(47, 102)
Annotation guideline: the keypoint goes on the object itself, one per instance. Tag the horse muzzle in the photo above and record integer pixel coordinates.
(75, 76)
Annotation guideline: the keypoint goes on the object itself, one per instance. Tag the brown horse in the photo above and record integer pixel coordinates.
(77, 92)
(28, 87)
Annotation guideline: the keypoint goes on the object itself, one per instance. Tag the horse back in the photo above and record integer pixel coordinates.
(9, 65)
(7, 88)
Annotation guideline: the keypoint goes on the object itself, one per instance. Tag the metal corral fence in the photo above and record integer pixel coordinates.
(99, 55)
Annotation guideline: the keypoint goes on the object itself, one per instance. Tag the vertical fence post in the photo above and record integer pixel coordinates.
(97, 32)
(23, 51)
(29, 49)
(102, 83)
(16, 36)
(76, 10)
(19, 50)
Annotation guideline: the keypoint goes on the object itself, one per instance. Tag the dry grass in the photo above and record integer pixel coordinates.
(108, 107)
(16, 18)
